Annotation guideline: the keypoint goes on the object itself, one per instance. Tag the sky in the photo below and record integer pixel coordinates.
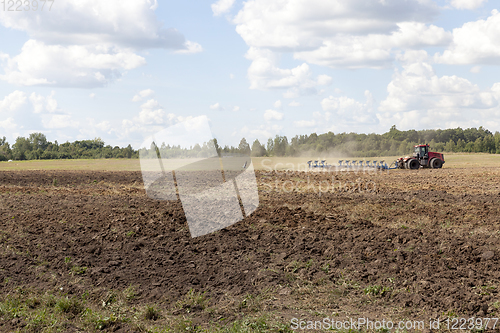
(124, 70)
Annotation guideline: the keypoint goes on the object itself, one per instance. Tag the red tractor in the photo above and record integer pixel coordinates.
(422, 157)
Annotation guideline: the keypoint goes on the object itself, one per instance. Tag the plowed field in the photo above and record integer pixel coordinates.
(86, 251)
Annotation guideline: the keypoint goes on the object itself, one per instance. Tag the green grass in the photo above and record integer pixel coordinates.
(111, 164)
(459, 160)
(55, 312)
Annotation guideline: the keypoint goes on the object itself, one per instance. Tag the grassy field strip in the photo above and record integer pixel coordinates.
(260, 163)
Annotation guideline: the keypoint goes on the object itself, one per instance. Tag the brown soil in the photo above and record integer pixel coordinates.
(427, 238)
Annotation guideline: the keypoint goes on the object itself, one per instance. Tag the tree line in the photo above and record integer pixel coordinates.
(393, 142)
(37, 147)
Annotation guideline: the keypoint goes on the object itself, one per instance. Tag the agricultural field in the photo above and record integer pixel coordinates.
(83, 249)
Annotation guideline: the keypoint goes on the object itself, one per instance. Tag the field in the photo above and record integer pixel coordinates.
(260, 163)
(83, 249)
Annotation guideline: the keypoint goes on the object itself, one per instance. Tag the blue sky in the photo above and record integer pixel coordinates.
(123, 70)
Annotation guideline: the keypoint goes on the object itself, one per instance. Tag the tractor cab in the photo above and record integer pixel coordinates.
(422, 154)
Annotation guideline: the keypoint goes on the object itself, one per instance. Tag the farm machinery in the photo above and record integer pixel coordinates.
(422, 157)
(349, 165)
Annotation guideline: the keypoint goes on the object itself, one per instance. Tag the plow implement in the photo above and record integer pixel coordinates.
(352, 165)
(422, 158)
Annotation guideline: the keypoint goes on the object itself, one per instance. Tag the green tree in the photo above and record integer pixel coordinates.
(38, 141)
(450, 146)
(270, 147)
(258, 149)
(21, 150)
(5, 151)
(280, 145)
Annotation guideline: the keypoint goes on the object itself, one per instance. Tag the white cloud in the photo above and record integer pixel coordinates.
(42, 104)
(273, 115)
(65, 52)
(324, 80)
(231, 76)
(152, 118)
(222, 6)
(236, 108)
(190, 47)
(263, 132)
(92, 95)
(143, 94)
(304, 24)
(347, 34)
(58, 121)
(264, 74)
(475, 42)
(68, 66)
(8, 124)
(374, 50)
(294, 104)
(277, 104)
(304, 123)
(103, 22)
(351, 111)
(104, 125)
(467, 4)
(418, 98)
(475, 69)
(150, 104)
(216, 107)
(13, 101)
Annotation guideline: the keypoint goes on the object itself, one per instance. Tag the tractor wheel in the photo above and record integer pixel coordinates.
(413, 164)
(436, 163)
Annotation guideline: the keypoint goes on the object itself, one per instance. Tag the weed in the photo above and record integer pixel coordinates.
(130, 233)
(98, 321)
(256, 325)
(294, 266)
(290, 277)
(54, 182)
(78, 270)
(255, 303)
(129, 293)
(69, 305)
(193, 301)
(151, 312)
(450, 314)
(110, 298)
(67, 260)
(376, 290)
(185, 325)
(33, 302)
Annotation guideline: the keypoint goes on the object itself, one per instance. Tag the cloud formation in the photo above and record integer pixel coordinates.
(273, 115)
(476, 42)
(86, 43)
(74, 65)
(90, 22)
(222, 6)
(419, 98)
(336, 34)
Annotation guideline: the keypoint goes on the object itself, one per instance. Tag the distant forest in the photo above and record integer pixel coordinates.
(394, 142)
